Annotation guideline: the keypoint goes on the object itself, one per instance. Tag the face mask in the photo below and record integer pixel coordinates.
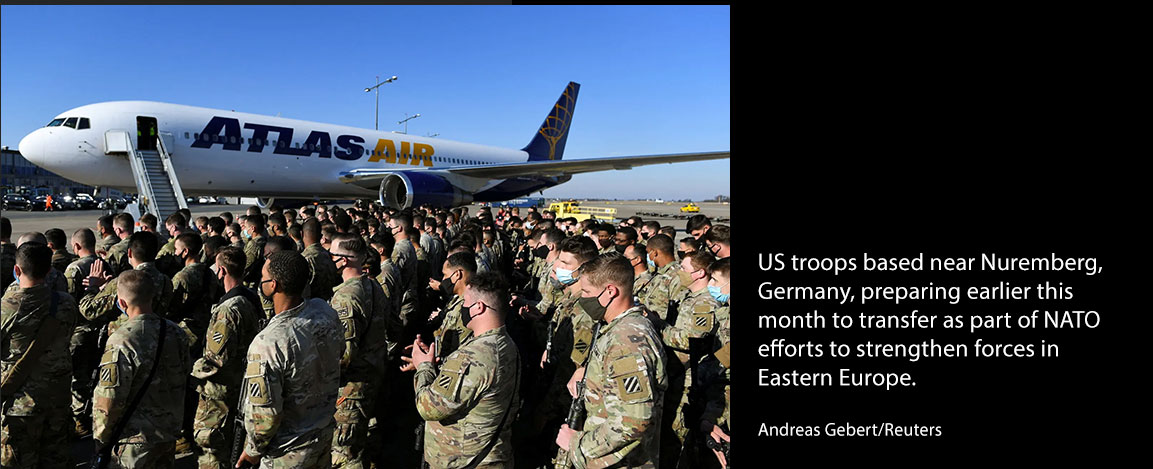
(246, 235)
(528, 226)
(466, 314)
(564, 276)
(686, 278)
(645, 236)
(652, 265)
(265, 295)
(121, 308)
(717, 295)
(447, 285)
(14, 276)
(592, 306)
(620, 248)
(541, 251)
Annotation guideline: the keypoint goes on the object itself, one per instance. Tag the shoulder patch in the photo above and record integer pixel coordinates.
(448, 381)
(702, 307)
(256, 385)
(703, 321)
(217, 337)
(630, 381)
(108, 370)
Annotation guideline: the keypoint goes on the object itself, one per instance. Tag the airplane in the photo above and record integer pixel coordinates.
(224, 153)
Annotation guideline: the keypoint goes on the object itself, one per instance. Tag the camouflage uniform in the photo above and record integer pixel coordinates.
(695, 322)
(661, 288)
(364, 311)
(99, 306)
(292, 381)
(166, 260)
(83, 345)
(234, 323)
(716, 379)
(433, 248)
(571, 340)
(149, 436)
(641, 284)
(465, 403)
(324, 274)
(404, 257)
(118, 258)
(451, 333)
(61, 259)
(625, 383)
(389, 280)
(254, 260)
(36, 420)
(106, 243)
(193, 290)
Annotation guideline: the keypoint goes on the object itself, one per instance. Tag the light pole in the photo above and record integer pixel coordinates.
(376, 87)
(405, 122)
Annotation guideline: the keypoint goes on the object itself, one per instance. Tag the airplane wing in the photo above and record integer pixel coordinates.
(365, 177)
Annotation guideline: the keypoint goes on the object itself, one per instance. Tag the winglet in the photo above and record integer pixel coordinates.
(548, 143)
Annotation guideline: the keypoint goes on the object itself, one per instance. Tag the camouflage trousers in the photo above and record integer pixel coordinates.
(84, 361)
(213, 432)
(36, 441)
(349, 440)
(317, 456)
(157, 455)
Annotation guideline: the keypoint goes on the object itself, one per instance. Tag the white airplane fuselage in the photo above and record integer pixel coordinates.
(226, 153)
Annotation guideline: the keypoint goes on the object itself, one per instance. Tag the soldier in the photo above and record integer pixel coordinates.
(656, 297)
(404, 256)
(625, 377)
(625, 237)
(37, 323)
(324, 275)
(605, 235)
(55, 278)
(716, 241)
(58, 242)
(695, 322)
(389, 277)
(648, 230)
(364, 311)
(107, 235)
(166, 260)
(234, 323)
(637, 255)
(99, 302)
(469, 403)
(254, 248)
(85, 336)
(698, 225)
(451, 332)
(292, 379)
(714, 370)
(192, 290)
(147, 354)
(122, 226)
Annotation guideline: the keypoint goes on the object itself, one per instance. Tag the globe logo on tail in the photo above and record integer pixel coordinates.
(557, 123)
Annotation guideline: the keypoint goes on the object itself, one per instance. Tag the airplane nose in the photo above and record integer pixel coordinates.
(32, 148)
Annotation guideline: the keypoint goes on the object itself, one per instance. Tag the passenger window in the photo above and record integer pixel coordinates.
(70, 122)
(83, 123)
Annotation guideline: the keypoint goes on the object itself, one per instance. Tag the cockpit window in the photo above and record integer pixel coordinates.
(83, 123)
(55, 122)
(70, 122)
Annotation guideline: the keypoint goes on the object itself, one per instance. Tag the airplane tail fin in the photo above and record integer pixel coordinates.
(548, 143)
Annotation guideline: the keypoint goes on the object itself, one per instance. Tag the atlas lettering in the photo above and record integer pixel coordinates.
(226, 132)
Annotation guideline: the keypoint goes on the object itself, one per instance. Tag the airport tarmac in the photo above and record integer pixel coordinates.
(72, 220)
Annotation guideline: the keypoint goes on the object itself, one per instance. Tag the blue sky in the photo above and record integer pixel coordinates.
(654, 79)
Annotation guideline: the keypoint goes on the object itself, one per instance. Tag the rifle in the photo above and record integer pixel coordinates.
(239, 435)
(577, 411)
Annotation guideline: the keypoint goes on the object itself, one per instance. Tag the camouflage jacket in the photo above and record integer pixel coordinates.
(127, 360)
(451, 333)
(696, 320)
(324, 275)
(193, 292)
(22, 314)
(99, 306)
(641, 284)
(433, 248)
(61, 259)
(659, 291)
(75, 274)
(254, 260)
(404, 257)
(118, 258)
(234, 323)
(572, 328)
(625, 383)
(292, 382)
(166, 261)
(389, 280)
(467, 400)
(364, 311)
(106, 243)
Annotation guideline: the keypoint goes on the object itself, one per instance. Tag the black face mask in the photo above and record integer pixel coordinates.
(592, 306)
(541, 251)
(466, 314)
(645, 236)
(262, 294)
(621, 248)
(447, 285)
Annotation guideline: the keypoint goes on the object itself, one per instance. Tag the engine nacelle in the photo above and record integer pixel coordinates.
(404, 189)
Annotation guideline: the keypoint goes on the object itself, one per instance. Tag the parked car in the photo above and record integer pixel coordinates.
(85, 202)
(206, 200)
(16, 202)
(63, 202)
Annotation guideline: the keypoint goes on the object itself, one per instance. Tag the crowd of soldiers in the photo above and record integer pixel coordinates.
(368, 337)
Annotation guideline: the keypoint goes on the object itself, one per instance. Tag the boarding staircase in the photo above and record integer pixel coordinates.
(158, 189)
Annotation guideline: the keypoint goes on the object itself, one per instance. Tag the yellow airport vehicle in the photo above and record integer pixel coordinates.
(690, 208)
(573, 209)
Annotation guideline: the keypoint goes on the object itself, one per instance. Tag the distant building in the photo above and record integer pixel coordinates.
(21, 176)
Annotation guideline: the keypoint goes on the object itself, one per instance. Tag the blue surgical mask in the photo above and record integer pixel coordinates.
(14, 276)
(722, 298)
(121, 308)
(652, 265)
(564, 276)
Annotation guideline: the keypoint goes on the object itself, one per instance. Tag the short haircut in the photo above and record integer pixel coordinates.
(701, 259)
(606, 227)
(294, 231)
(279, 243)
(124, 221)
(34, 259)
(187, 215)
(202, 220)
(552, 235)
(691, 242)
(32, 237)
(135, 287)
(640, 250)
(493, 290)
(721, 266)
(630, 233)
(464, 260)
(232, 260)
(213, 245)
(143, 246)
(718, 234)
(177, 219)
(662, 243)
(386, 243)
(310, 229)
(216, 225)
(350, 243)
(85, 238)
(256, 220)
(581, 247)
(252, 210)
(403, 219)
(227, 217)
(290, 271)
(56, 238)
(105, 222)
(148, 220)
(635, 220)
(191, 241)
(697, 222)
(668, 231)
(611, 268)
(235, 227)
(651, 225)
(277, 219)
(342, 221)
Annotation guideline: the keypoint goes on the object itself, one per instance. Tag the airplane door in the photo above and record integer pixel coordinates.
(145, 133)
